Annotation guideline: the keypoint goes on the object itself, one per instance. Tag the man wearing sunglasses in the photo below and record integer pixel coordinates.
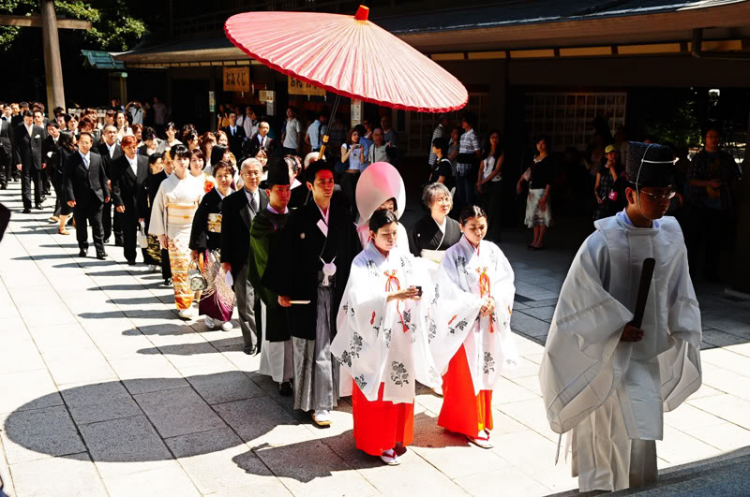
(605, 379)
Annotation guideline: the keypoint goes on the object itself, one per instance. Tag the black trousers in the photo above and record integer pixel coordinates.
(491, 203)
(708, 232)
(29, 175)
(108, 225)
(130, 234)
(90, 212)
(6, 169)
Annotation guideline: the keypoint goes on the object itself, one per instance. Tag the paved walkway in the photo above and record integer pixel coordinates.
(103, 391)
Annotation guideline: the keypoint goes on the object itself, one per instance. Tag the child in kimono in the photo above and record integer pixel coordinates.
(604, 380)
(470, 334)
(381, 341)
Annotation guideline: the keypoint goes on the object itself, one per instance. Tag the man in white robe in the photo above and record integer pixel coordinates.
(601, 377)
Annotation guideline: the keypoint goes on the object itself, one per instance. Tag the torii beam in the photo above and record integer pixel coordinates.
(52, 64)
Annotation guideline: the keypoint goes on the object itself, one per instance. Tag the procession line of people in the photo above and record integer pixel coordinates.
(364, 307)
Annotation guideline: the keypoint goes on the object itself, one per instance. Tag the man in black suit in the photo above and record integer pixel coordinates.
(6, 152)
(109, 150)
(41, 121)
(238, 211)
(261, 141)
(27, 152)
(129, 183)
(87, 190)
(235, 134)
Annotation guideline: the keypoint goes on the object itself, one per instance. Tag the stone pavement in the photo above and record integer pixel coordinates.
(103, 391)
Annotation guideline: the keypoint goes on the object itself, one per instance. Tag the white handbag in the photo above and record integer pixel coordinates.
(141, 237)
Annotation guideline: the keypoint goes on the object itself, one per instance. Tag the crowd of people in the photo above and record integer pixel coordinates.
(340, 299)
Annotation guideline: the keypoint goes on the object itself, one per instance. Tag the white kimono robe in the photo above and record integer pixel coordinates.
(610, 392)
(379, 341)
(456, 302)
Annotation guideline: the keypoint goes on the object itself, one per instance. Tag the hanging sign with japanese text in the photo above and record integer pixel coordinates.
(236, 79)
(297, 87)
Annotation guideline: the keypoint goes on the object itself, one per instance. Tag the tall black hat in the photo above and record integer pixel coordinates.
(649, 165)
(278, 172)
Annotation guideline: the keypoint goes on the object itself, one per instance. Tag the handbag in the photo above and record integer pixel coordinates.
(195, 278)
(142, 238)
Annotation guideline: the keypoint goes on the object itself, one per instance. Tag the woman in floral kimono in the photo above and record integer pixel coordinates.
(381, 342)
(471, 310)
(217, 300)
(171, 221)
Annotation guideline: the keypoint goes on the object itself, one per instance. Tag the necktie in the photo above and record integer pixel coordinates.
(86, 162)
(253, 203)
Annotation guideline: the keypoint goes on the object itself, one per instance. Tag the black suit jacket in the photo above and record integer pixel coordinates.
(253, 145)
(236, 141)
(6, 137)
(49, 152)
(80, 183)
(128, 188)
(236, 218)
(102, 150)
(27, 150)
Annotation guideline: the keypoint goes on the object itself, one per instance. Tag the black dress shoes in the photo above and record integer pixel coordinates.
(119, 242)
(131, 263)
(250, 350)
(285, 389)
(101, 256)
(26, 210)
(82, 253)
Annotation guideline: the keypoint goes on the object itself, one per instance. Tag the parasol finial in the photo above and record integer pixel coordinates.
(362, 13)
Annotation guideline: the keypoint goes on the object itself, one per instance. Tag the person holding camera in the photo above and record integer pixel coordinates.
(353, 156)
(382, 341)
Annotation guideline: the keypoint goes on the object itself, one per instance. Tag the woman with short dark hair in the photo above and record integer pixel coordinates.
(217, 300)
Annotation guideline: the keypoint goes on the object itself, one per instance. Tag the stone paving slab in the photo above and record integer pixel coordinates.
(103, 391)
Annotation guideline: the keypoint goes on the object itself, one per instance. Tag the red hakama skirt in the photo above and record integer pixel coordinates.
(462, 411)
(380, 425)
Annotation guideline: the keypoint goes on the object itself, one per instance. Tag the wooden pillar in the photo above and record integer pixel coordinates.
(52, 63)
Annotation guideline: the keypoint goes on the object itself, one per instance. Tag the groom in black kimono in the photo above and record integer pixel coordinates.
(320, 242)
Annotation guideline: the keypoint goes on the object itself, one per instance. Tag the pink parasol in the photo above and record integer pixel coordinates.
(349, 56)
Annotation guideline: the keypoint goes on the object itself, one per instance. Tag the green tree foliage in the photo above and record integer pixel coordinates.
(673, 116)
(113, 27)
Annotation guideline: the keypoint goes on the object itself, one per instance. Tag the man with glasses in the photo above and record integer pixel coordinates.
(237, 213)
(606, 374)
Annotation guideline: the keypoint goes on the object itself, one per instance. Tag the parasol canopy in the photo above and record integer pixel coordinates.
(349, 56)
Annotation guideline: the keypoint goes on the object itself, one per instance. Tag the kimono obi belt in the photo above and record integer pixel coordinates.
(214, 222)
(181, 214)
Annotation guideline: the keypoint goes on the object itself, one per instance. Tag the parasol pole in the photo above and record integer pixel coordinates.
(330, 123)
(362, 14)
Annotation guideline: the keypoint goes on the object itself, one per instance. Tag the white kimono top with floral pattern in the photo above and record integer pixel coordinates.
(465, 277)
(380, 341)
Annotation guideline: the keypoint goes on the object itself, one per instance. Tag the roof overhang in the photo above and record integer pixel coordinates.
(631, 29)
(650, 33)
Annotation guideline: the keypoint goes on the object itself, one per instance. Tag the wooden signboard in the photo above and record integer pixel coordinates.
(236, 79)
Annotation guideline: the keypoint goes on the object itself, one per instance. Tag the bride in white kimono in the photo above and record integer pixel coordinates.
(380, 187)
(470, 335)
(605, 382)
(382, 342)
